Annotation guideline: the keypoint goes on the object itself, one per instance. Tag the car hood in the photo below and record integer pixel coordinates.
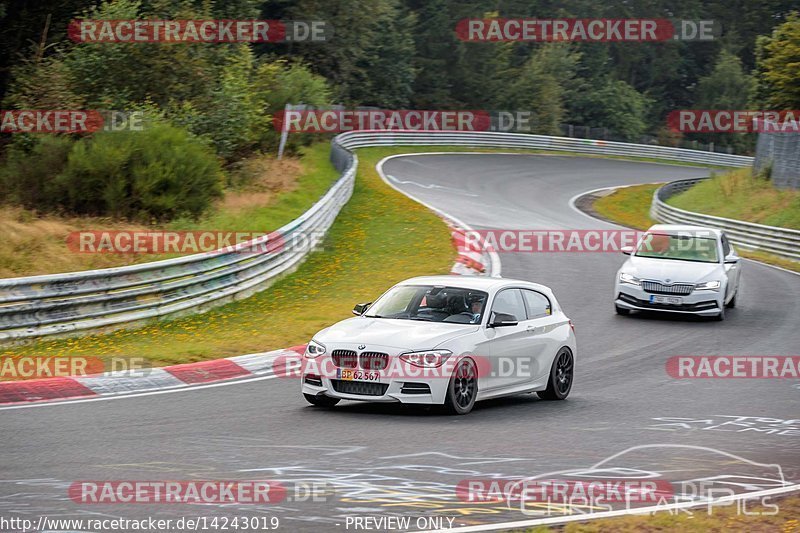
(675, 271)
(394, 333)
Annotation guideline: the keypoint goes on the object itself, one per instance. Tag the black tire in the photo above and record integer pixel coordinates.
(562, 374)
(321, 400)
(732, 303)
(622, 311)
(462, 389)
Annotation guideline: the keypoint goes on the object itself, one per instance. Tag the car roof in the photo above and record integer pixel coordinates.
(683, 228)
(483, 283)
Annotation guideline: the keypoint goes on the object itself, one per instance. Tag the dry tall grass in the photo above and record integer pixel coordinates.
(31, 244)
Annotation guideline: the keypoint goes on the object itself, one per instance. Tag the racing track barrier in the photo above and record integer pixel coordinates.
(119, 297)
(783, 242)
(114, 297)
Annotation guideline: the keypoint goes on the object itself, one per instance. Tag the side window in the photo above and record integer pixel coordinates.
(509, 301)
(537, 304)
(726, 246)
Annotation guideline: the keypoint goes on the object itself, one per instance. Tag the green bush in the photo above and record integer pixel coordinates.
(27, 176)
(157, 174)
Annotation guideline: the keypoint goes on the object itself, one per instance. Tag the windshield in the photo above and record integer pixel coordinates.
(432, 304)
(679, 247)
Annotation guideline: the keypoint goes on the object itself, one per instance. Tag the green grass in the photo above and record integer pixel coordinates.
(380, 237)
(630, 207)
(743, 196)
(316, 178)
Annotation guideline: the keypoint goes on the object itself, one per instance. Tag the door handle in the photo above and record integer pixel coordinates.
(532, 329)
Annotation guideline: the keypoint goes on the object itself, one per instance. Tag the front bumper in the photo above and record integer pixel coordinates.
(398, 382)
(411, 391)
(701, 303)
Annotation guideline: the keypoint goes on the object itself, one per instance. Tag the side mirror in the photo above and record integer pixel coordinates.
(503, 319)
(360, 309)
(731, 259)
(627, 250)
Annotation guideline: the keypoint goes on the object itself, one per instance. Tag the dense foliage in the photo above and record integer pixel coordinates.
(156, 174)
(385, 53)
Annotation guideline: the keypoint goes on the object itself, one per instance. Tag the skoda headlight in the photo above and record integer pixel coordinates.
(314, 349)
(630, 279)
(709, 286)
(427, 358)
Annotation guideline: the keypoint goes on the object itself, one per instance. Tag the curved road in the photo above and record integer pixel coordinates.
(376, 459)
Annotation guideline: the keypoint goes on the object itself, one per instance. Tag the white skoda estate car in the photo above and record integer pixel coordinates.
(679, 269)
(445, 340)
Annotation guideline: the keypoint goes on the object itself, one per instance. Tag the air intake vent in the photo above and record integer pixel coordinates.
(680, 289)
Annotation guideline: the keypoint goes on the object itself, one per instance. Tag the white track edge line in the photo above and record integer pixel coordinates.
(575, 208)
(186, 388)
(493, 256)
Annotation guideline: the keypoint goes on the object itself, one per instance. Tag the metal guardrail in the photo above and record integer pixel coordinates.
(114, 297)
(783, 242)
(362, 139)
(106, 298)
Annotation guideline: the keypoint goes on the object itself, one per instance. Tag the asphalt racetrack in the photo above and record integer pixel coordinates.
(626, 417)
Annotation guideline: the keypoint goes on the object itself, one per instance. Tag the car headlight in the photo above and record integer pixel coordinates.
(314, 349)
(709, 286)
(427, 358)
(624, 277)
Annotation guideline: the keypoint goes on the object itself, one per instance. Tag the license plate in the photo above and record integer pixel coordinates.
(357, 375)
(671, 300)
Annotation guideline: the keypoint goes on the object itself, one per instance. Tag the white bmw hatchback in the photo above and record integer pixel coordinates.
(679, 269)
(445, 340)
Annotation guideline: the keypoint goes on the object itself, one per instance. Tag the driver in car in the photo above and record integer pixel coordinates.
(475, 308)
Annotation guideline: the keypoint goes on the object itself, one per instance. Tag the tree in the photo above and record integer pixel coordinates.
(726, 87)
(160, 173)
(233, 114)
(614, 105)
(778, 67)
(387, 62)
(113, 75)
(435, 44)
(541, 86)
(368, 60)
